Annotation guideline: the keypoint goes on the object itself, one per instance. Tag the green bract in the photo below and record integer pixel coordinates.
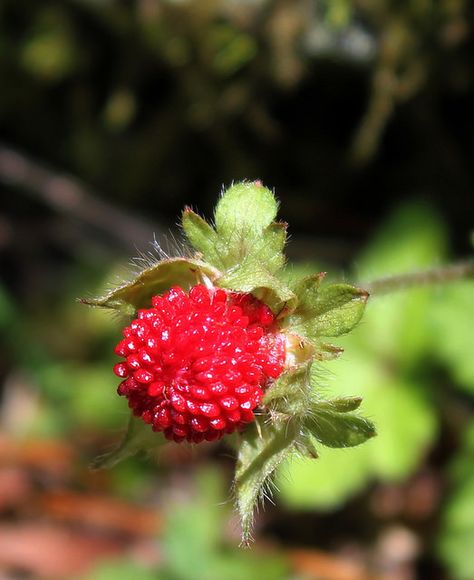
(243, 252)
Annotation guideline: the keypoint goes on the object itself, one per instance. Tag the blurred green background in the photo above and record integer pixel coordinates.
(113, 116)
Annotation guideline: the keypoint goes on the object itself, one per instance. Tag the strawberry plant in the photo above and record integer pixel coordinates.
(221, 342)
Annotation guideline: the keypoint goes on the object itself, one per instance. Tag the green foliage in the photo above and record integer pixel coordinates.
(194, 546)
(457, 531)
(453, 323)
(120, 569)
(50, 51)
(383, 354)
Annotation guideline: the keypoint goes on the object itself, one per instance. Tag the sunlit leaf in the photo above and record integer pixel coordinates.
(202, 236)
(335, 429)
(245, 207)
(154, 280)
(329, 310)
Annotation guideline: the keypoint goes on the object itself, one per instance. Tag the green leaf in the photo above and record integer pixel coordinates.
(399, 327)
(245, 207)
(202, 236)
(452, 320)
(195, 526)
(328, 311)
(138, 437)
(337, 474)
(333, 429)
(250, 277)
(456, 536)
(154, 280)
(261, 451)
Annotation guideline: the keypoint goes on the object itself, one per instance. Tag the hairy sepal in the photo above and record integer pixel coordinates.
(290, 394)
(202, 236)
(251, 277)
(334, 428)
(157, 279)
(330, 422)
(246, 244)
(263, 448)
(326, 311)
(298, 421)
(245, 207)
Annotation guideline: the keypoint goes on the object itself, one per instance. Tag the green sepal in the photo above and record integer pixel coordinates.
(307, 289)
(307, 446)
(326, 351)
(264, 446)
(328, 310)
(247, 207)
(335, 429)
(138, 437)
(244, 249)
(341, 404)
(269, 249)
(290, 393)
(245, 230)
(251, 277)
(154, 280)
(202, 236)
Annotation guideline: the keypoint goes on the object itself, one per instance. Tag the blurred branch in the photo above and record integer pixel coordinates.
(65, 194)
(449, 273)
(390, 86)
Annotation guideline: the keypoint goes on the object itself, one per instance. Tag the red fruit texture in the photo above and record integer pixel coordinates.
(196, 364)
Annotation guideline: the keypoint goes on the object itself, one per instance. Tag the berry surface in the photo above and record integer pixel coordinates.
(196, 364)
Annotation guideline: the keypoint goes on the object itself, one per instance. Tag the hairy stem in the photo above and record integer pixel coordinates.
(443, 274)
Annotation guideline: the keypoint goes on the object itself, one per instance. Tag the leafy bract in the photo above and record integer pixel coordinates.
(263, 285)
(334, 429)
(202, 236)
(245, 207)
(325, 311)
(156, 279)
(290, 393)
(246, 244)
(262, 449)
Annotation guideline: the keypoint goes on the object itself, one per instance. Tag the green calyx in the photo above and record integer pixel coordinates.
(243, 251)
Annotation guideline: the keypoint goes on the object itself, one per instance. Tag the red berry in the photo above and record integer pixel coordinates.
(198, 363)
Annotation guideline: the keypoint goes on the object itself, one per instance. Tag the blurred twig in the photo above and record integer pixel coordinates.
(449, 273)
(66, 195)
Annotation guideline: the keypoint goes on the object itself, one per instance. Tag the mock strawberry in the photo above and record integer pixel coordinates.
(196, 364)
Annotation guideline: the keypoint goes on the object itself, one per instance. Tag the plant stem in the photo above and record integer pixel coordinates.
(443, 274)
